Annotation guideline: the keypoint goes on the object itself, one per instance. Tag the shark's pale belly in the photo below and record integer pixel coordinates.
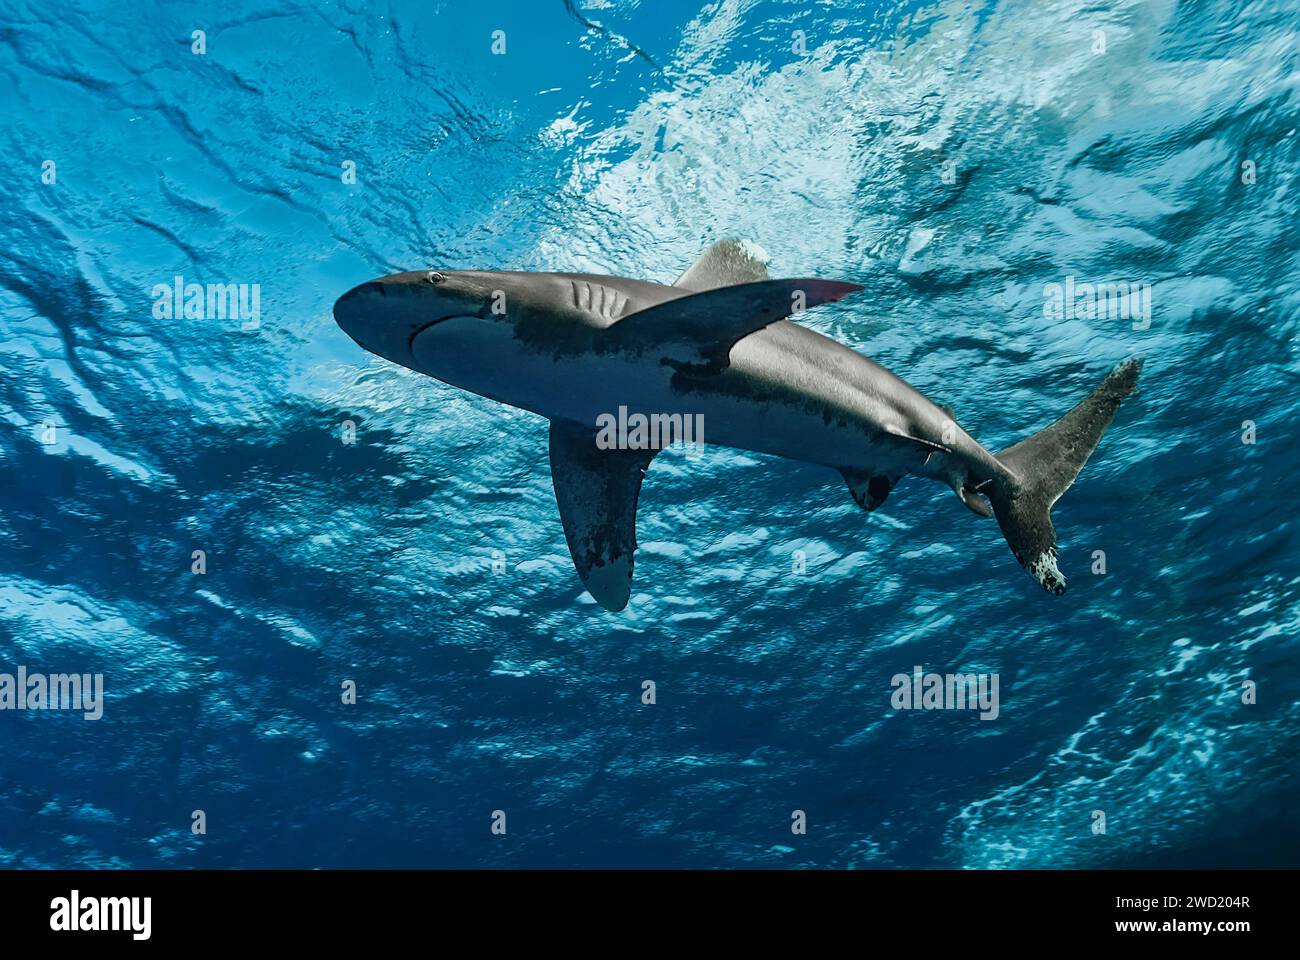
(788, 391)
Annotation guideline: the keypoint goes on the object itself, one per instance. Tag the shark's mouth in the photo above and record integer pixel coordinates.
(410, 343)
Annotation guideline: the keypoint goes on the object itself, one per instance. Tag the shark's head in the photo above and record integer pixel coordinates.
(387, 316)
(499, 334)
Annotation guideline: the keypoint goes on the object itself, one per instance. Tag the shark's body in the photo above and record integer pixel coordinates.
(714, 348)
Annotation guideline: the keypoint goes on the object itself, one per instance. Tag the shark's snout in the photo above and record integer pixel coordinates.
(353, 308)
(380, 316)
(384, 316)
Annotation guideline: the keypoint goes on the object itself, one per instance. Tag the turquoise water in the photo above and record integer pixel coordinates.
(956, 159)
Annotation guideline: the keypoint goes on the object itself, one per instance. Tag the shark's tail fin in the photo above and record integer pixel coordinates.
(1043, 466)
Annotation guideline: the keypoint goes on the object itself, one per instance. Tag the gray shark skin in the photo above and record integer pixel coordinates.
(716, 345)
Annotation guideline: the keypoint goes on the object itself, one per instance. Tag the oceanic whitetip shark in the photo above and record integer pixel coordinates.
(715, 345)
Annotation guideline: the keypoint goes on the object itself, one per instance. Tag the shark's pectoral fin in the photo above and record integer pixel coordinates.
(597, 492)
(725, 264)
(868, 489)
(918, 445)
(698, 330)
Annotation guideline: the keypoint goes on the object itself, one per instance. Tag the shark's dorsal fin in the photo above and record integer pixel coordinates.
(725, 264)
(699, 329)
(597, 491)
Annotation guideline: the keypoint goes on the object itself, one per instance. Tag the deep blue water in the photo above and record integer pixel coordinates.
(626, 150)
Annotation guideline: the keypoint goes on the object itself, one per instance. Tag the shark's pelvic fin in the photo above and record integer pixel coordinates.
(698, 330)
(868, 490)
(725, 264)
(597, 492)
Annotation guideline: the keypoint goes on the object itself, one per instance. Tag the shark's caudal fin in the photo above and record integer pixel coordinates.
(1043, 466)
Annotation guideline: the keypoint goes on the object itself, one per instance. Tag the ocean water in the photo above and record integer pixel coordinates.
(955, 158)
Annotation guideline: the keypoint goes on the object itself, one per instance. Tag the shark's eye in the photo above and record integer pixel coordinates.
(435, 277)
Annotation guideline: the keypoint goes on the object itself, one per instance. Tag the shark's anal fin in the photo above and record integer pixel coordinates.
(698, 330)
(597, 492)
(725, 264)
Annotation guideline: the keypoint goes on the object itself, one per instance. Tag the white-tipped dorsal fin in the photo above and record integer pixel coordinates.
(597, 491)
(724, 264)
